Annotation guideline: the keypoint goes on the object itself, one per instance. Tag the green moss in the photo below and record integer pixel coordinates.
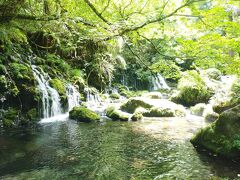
(159, 112)
(136, 117)
(32, 114)
(213, 73)
(83, 114)
(192, 90)
(10, 117)
(58, 85)
(2, 69)
(222, 136)
(3, 84)
(21, 71)
(115, 96)
(116, 114)
(198, 109)
(57, 63)
(132, 104)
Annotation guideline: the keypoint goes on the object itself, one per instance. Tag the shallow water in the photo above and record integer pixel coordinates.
(153, 149)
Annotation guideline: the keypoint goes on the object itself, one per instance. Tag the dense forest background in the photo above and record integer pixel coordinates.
(101, 43)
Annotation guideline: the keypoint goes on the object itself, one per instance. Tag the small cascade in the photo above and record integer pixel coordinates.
(73, 97)
(51, 105)
(158, 82)
(94, 101)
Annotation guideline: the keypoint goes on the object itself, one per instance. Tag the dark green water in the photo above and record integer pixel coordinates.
(108, 150)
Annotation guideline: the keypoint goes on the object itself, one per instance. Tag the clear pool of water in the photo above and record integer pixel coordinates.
(152, 149)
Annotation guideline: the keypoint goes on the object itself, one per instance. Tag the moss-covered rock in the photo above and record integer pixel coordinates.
(153, 107)
(58, 85)
(159, 112)
(115, 96)
(192, 90)
(222, 136)
(116, 114)
(213, 73)
(211, 116)
(133, 103)
(137, 117)
(153, 95)
(198, 109)
(82, 114)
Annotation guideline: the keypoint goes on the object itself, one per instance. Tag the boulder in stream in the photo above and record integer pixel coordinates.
(153, 107)
(191, 90)
(222, 136)
(83, 114)
(116, 114)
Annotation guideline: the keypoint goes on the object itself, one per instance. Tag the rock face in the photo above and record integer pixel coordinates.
(83, 114)
(222, 136)
(191, 90)
(116, 114)
(153, 107)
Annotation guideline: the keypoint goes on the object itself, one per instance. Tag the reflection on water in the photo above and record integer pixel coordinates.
(153, 149)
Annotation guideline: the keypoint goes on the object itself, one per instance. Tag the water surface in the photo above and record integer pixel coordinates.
(153, 149)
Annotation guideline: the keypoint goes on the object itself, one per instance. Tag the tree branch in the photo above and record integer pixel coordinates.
(96, 12)
(104, 9)
(151, 21)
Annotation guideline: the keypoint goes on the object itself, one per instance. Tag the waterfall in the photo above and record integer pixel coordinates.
(94, 101)
(73, 97)
(51, 105)
(158, 82)
(51, 109)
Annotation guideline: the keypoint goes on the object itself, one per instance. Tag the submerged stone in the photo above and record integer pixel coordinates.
(83, 114)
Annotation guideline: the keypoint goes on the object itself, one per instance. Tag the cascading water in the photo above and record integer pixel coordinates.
(51, 109)
(73, 97)
(51, 105)
(158, 82)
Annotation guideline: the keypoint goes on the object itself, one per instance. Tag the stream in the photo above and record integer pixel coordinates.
(149, 149)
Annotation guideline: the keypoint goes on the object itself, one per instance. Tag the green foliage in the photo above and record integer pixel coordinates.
(236, 91)
(56, 65)
(21, 71)
(10, 117)
(168, 69)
